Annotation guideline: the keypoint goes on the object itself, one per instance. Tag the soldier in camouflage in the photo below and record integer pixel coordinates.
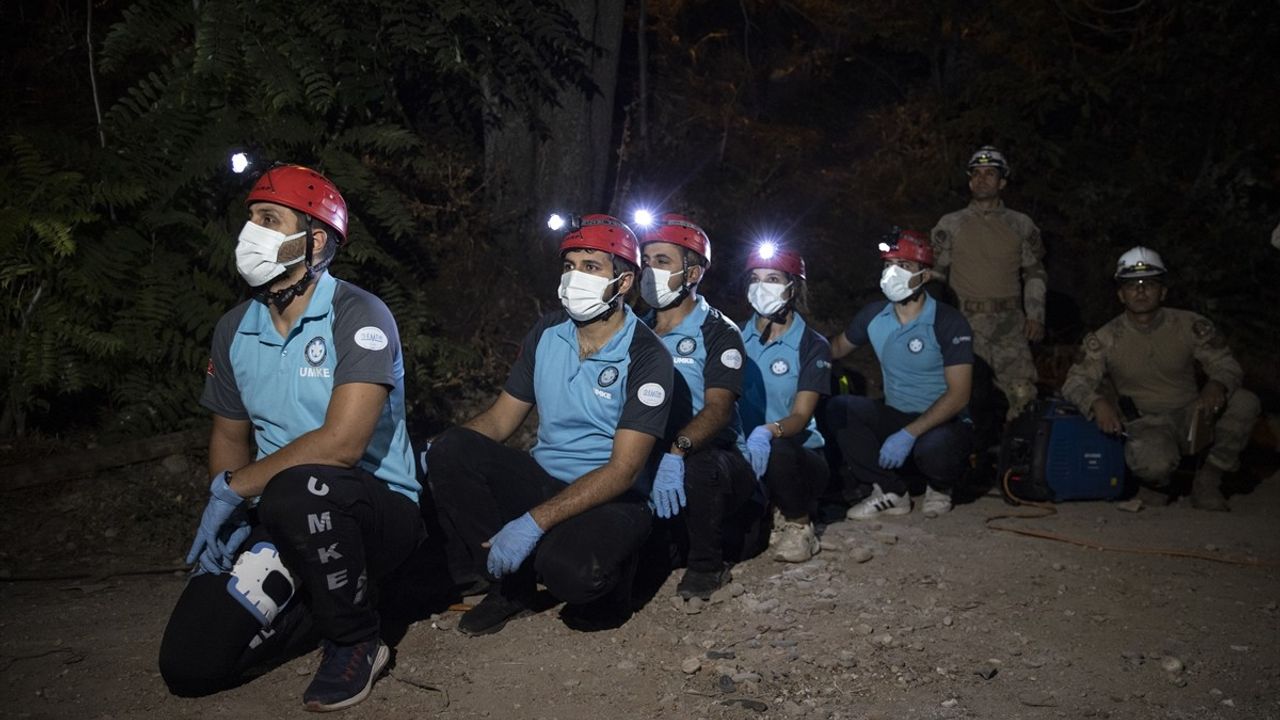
(991, 256)
(1149, 354)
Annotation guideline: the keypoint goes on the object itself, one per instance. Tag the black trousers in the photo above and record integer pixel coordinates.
(861, 426)
(322, 538)
(722, 512)
(796, 476)
(481, 485)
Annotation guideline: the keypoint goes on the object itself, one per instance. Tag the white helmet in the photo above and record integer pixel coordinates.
(989, 156)
(1140, 262)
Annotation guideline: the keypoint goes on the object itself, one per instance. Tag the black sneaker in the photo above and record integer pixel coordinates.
(492, 613)
(702, 583)
(346, 674)
(604, 614)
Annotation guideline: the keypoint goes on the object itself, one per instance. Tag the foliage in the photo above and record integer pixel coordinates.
(117, 260)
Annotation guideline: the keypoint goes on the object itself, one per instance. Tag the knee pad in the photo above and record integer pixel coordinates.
(261, 583)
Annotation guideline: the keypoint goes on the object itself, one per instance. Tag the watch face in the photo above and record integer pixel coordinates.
(683, 442)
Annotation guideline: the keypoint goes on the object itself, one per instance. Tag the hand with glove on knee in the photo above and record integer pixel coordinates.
(759, 444)
(668, 486)
(896, 448)
(221, 530)
(512, 545)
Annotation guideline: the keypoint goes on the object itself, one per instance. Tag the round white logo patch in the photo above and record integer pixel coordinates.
(686, 346)
(316, 351)
(779, 367)
(651, 394)
(371, 338)
(916, 345)
(731, 358)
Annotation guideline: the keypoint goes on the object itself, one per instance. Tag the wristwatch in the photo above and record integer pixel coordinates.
(683, 443)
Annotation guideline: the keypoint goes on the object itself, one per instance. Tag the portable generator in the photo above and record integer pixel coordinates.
(1052, 453)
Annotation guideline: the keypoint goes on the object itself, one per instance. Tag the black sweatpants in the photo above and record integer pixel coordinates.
(722, 511)
(861, 426)
(481, 485)
(796, 476)
(322, 538)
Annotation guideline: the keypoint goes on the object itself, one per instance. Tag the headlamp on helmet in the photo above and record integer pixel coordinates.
(771, 255)
(909, 245)
(989, 156)
(643, 218)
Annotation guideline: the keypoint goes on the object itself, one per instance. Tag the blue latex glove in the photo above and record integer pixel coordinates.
(223, 502)
(512, 545)
(759, 443)
(895, 449)
(668, 486)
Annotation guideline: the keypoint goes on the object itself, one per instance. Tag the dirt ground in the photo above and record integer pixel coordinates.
(906, 618)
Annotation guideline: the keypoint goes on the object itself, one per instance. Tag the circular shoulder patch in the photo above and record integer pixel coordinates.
(686, 346)
(1202, 328)
(651, 394)
(731, 359)
(371, 338)
(1092, 343)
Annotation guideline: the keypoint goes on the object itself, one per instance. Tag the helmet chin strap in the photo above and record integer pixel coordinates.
(778, 318)
(281, 299)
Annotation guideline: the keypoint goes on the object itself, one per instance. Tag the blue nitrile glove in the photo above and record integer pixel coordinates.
(759, 443)
(513, 543)
(668, 486)
(896, 448)
(223, 501)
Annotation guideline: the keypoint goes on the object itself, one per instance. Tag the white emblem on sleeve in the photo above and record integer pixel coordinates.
(371, 338)
(651, 394)
(731, 358)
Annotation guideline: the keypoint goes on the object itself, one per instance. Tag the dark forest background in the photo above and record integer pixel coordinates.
(452, 127)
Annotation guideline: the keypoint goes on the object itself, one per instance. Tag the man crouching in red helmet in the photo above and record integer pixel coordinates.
(310, 373)
(574, 511)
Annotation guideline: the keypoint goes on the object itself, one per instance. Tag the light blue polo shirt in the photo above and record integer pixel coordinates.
(582, 403)
(912, 356)
(706, 349)
(798, 359)
(283, 384)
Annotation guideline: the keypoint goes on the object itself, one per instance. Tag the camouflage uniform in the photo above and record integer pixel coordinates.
(1155, 366)
(986, 251)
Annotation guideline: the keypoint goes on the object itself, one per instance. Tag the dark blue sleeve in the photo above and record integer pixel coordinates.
(365, 337)
(519, 383)
(856, 333)
(221, 393)
(650, 385)
(955, 337)
(815, 363)
(724, 347)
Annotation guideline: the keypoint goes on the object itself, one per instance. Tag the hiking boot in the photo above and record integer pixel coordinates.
(346, 674)
(880, 503)
(1206, 490)
(775, 528)
(492, 613)
(797, 542)
(936, 502)
(702, 583)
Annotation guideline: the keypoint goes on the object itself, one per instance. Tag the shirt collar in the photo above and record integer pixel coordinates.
(790, 338)
(258, 320)
(926, 316)
(613, 351)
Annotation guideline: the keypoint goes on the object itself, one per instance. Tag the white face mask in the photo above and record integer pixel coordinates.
(895, 282)
(582, 294)
(655, 288)
(766, 297)
(257, 252)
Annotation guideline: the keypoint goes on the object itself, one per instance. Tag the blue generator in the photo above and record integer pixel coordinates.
(1052, 453)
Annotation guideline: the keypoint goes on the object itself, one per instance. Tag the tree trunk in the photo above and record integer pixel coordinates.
(529, 176)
